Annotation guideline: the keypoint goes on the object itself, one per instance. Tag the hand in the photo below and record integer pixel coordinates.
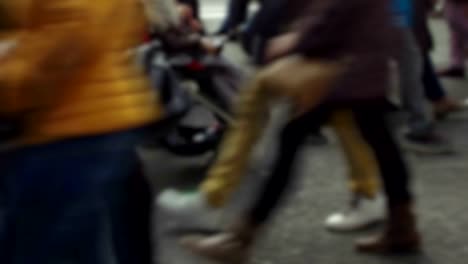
(195, 25)
(281, 45)
(209, 46)
(186, 15)
(185, 11)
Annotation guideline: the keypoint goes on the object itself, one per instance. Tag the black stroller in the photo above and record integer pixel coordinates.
(184, 81)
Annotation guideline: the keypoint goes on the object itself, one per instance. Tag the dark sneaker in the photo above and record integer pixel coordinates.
(427, 143)
(452, 72)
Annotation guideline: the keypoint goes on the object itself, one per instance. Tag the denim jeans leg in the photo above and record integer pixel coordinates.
(432, 85)
(236, 14)
(411, 86)
(59, 199)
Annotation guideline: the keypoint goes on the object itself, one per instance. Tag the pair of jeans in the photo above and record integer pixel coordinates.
(432, 85)
(136, 221)
(370, 118)
(410, 72)
(236, 14)
(68, 201)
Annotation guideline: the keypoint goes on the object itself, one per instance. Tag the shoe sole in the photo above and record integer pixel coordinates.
(395, 251)
(427, 150)
(217, 257)
(368, 226)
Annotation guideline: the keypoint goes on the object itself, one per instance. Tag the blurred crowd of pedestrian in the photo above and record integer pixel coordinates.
(84, 83)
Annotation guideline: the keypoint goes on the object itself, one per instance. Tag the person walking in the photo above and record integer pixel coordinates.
(367, 204)
(421, 135)
(331, 69)
(83, 108)
(442, 103)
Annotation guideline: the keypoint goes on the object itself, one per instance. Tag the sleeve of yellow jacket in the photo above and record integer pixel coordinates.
(50, 46)
(306, 88)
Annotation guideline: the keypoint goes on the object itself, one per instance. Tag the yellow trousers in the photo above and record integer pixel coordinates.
(363, 169)
(306, 86)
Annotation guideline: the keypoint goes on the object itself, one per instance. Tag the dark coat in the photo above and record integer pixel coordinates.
(360, 29)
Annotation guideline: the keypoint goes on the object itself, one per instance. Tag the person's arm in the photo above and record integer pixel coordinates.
(59, 41)
(281, 45)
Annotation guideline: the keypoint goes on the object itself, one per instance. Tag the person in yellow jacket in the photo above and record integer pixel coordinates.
(82, 106)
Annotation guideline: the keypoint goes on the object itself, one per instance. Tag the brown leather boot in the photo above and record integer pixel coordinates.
(400, 236)
(445, 106)
(231, 246)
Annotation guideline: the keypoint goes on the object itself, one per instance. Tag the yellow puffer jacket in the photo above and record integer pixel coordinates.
(71, 74)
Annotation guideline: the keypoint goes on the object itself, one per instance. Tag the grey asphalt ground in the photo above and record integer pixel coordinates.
(296, 234)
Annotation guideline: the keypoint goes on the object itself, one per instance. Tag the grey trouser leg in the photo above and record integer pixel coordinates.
(410, 71)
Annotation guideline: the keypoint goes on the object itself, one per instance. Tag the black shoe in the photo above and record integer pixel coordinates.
(427, 143)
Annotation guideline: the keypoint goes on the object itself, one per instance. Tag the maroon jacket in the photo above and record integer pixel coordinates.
(361, 29)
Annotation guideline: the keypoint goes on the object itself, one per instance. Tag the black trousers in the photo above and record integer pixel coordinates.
(137, 220)
(237, 14)
(370, 118)
(432, 85)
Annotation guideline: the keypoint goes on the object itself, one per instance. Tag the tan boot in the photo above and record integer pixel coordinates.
(400, 236)
(231, 246)
(444, 107)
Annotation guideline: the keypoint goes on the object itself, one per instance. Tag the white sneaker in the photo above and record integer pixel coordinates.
(188, 208)
(179, 202)
(362, 214)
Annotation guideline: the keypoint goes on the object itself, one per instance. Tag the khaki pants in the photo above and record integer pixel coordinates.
(303, 81)
(364, 172)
